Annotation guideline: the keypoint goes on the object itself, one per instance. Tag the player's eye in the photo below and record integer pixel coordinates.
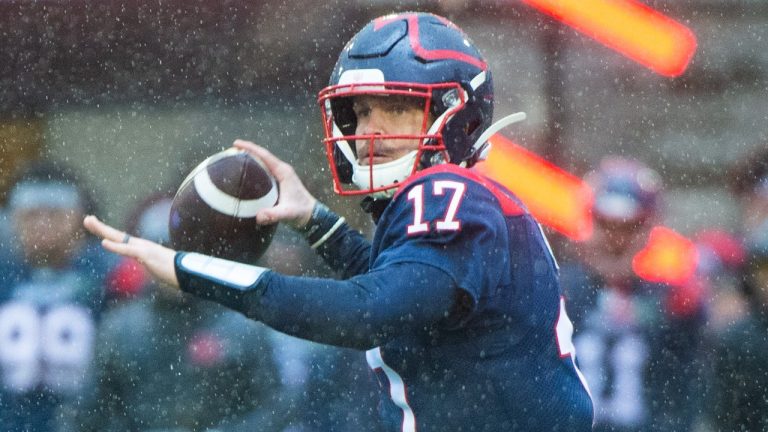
(361, 110)
(402, 105)
(398, 109)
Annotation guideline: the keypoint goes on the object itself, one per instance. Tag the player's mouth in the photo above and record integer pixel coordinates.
(378, 156)
(375, 160)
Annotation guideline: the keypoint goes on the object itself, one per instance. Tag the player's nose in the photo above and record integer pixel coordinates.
(375, 122)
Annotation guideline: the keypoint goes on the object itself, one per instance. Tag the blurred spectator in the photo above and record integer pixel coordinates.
(7, 245)
(740, 371)
(720, 265)
(637, 341)
(51, 292)
(331, 388)
(740, 384)
(170, 362)
(749, 181)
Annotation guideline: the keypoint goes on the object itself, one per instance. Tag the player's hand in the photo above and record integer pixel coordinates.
(296, 203)
(157, 259)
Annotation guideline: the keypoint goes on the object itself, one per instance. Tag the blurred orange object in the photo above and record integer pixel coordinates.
(555, 197)
(629, 27)
(667, 257)
(564, 202)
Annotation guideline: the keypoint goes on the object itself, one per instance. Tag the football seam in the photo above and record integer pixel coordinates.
(241, 184)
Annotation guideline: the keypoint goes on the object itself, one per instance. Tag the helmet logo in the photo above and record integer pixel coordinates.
(451, 98)
(360, 76)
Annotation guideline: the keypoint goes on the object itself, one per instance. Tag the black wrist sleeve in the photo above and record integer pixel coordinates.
(322, 224)
(344, 249)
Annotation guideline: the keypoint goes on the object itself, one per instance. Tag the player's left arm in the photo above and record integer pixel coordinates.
(361, 312)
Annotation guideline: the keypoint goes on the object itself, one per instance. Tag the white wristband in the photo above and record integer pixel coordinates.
(230, 272)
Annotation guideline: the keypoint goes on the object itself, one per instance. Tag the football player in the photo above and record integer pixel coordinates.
(456, 301)
(638, 339)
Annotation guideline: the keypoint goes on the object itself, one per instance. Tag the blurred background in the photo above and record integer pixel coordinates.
(135, 93)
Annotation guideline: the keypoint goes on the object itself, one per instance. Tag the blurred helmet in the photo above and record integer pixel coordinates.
(49, 184)
(625, 190)
(420, 55)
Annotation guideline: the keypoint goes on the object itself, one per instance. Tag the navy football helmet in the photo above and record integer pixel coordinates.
(626, 190)
(419, 55)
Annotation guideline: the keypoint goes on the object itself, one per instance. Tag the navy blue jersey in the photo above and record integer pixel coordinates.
(506, 360)
(48, 325)
(459, 310)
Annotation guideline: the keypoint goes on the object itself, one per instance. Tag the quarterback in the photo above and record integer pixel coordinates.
(456, 301)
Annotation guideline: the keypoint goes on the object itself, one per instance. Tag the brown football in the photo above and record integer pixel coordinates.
(214, 209)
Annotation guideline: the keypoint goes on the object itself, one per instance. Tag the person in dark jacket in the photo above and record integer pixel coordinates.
(51, 299)
(638, 333)
(167, 361)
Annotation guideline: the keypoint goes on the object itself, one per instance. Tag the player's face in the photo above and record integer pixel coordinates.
(48, 234)
(617, 237)
(387, 115)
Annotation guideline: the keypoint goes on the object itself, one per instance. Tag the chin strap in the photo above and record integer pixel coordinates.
(482, 143)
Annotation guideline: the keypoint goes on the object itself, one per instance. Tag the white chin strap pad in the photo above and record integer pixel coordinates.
(384, 174)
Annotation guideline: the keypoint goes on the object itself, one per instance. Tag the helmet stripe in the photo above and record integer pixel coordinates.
(413, 36)
(415, 40)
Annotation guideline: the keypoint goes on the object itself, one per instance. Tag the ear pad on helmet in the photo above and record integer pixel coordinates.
(345, 119)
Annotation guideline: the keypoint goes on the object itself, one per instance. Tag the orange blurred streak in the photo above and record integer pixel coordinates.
(629, 27)
(667, 257)
(564, 202)
(555, 197)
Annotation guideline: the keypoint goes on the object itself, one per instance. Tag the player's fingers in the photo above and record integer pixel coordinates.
(154, 257)
(100, 229)
(277, 167)
(125, 249)
(113, 240)
(268, 216)
(246, 145)
(278, 213)
(265, 155)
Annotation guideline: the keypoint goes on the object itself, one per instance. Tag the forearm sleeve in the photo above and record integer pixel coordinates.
(224, 282)
(362, 312)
